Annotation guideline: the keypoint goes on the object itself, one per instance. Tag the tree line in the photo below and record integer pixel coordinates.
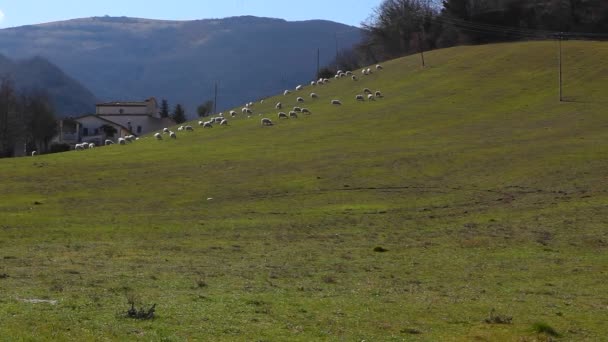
(401, 27)
(27, 120)
(179, 113)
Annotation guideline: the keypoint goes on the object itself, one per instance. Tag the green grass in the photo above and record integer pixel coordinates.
(486, 191)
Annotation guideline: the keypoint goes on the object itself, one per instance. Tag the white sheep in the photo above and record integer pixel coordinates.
(379, 93)
(91, 145)
(300, 99)
(282, 115)
(354, 78)
(379, 67)
(108, 142)
(262, 101)
(232, 113)
(293, 114)
(122, 141)
(369, 71)
(326, 80)
(336, 102)
(79, 147)
(279, 105)
(266, 122)
(224, 122)
(180, 128)
(200, 123)
(367, 91)
(189, 128)
(218, 119)
(370, 97)
(313, 83)
(173, 135)
(34, 153)
(207, 124)
(286, 92)
(158, 136)
(339, 72)
(314, 95)
(221, 114)
(349, 73)
(360, 97)
(305, 111)
(298, 88)
(165, 130)
(297, 109)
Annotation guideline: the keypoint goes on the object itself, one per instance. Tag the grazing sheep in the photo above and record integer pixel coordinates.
(379, 67)
(262, 101)
(221, 114)
(336, 102)
(91, 145)
(364, 72)
(232, 113)
(122, 141)
(360, 97)
(130, 138)
(266, 122)
(165, 130)
(369, 71)
(286, 92)
(207, 124)
(367, 91)
(173, 135)
(217, 120)
(110, 142)
(79, 147)
(379, 93)
(348, 73)
(282, 115)
(313, 83)
(339, 72)
(34, 153)
(370, 97)
(189, 128)
(158, 136)
(180, 128)
(305, 111)
(298, 88)
(337, 76)
(314, 95)
(293, 114)
(279, 105)
(200, 123)
(354, 78)
(300, 99)
(326, 80)
(297, 109)
(224, 122)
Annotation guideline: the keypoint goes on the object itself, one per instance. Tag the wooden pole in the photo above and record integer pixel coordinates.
(560, 69)
(215, 99)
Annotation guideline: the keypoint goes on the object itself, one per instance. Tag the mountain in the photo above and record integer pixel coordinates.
(123, 58)
(68, 95)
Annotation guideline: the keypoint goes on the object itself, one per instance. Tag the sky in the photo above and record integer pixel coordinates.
(28, 12)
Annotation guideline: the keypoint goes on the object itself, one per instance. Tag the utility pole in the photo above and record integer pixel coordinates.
(560, 68)
(420, 42)
(215, 99)
(318, 62)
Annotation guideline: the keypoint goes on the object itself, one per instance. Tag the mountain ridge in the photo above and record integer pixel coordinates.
(136, 58)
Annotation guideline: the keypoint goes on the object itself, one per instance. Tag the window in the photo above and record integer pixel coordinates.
(138, 129)
(85, 131)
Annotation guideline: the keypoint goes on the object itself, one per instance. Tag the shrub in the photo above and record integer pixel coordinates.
(544, 328)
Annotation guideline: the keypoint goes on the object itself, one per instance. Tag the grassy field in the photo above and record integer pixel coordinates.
(484, 191)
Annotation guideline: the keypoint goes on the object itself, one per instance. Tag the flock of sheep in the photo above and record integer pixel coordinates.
(248, 110)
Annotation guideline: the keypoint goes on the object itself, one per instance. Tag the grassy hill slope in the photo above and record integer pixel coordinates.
(486, 191)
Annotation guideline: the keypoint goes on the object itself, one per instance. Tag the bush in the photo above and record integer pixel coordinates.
(544, 328)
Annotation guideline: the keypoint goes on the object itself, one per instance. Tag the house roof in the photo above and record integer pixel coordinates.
(123, 104)
(127, 103)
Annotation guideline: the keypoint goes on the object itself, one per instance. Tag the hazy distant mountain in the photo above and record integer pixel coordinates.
(132, 59)
(69, 97)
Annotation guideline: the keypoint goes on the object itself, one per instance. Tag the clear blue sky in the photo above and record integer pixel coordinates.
(26, 12)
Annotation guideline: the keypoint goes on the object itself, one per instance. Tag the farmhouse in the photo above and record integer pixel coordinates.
(113, 120)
